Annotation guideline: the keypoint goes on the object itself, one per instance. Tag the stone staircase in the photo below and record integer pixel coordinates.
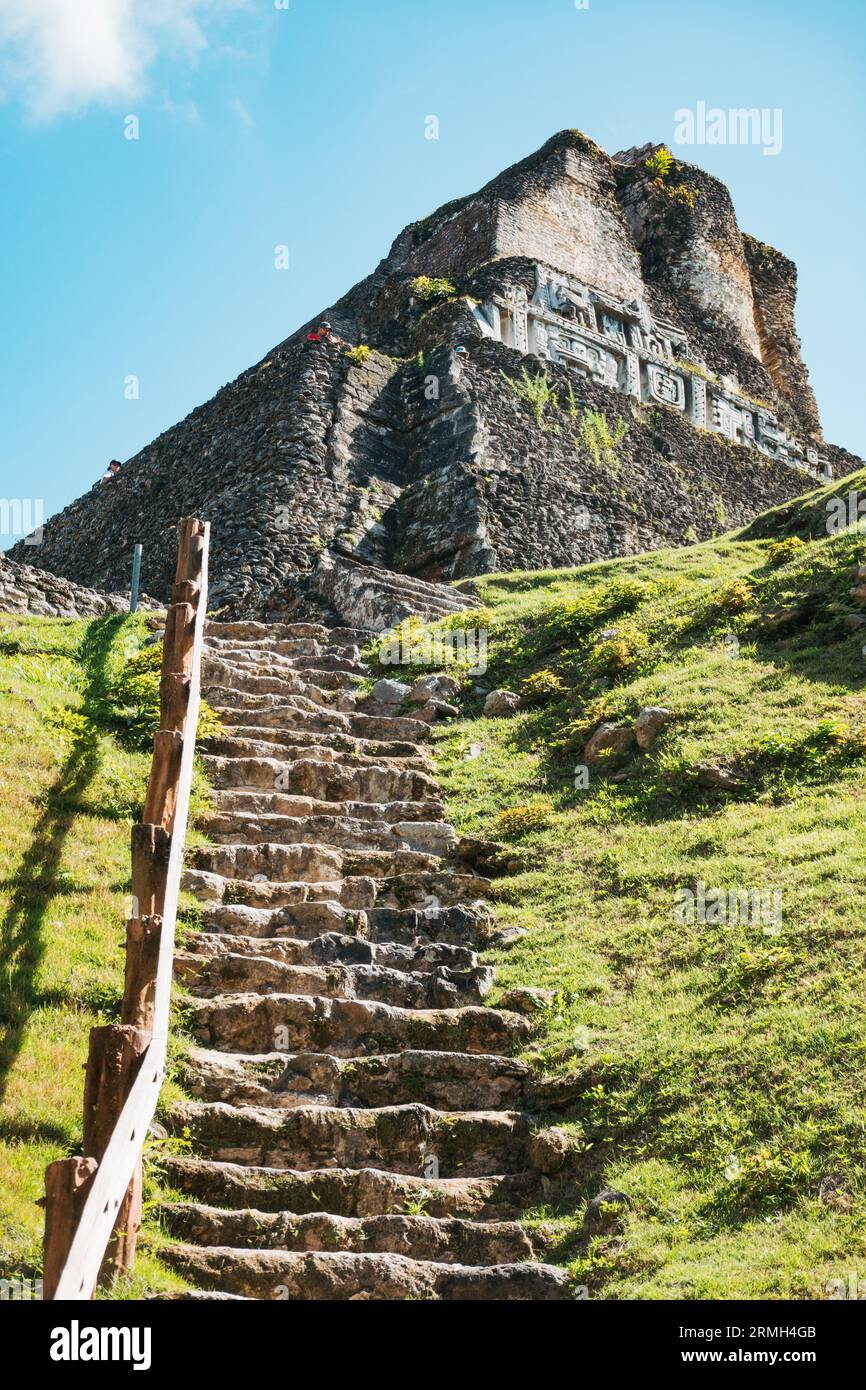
(360, 1126)
(365, 596)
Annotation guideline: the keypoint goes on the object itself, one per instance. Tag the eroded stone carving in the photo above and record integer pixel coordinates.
(622, 346)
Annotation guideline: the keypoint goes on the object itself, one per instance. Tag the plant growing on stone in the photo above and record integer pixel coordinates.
(600, 440)
(659, 163)
(429, 289)
(358, 355)
(538, 393)
(661, 166)
(573, 408)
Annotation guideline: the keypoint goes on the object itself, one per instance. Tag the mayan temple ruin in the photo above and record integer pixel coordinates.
(585, 359)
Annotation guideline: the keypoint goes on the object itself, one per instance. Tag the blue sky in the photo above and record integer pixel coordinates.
(305, 126)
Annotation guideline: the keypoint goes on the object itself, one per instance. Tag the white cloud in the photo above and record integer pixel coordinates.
(60, 55)
(241, 112)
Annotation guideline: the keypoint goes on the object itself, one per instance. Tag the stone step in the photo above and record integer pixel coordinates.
(422, 837)
(350, 1191)
(337, 744)
(455, 923)
(422, 597)
(328, 672)
(274, 863)
(299, 713)
(322, 780)
(230, 761)
(246, 974)
(270, 655)
(350, 893)
(277, 678)
(307, 918)
(271, 803)
(333, 948)
(444, 1080)
(217, 687)
(401, 1138)
(446, 1240)
(312, 863)
(303, 920)
(285, 632)
(348, 1027)
(334, 1276)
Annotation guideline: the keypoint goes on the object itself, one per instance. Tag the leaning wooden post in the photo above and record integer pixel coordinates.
(67, 1183)
(115, 1054)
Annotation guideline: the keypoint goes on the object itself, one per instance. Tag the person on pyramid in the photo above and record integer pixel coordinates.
(322, 334)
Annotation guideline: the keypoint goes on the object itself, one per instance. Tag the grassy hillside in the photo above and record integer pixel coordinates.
(76, 710)
(722, 1062)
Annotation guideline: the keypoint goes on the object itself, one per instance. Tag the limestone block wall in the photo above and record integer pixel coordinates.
(277, 462)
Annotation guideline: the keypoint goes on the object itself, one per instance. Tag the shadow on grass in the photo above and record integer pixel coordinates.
(22, 940)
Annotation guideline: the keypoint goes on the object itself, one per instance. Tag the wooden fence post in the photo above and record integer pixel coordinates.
(164, 773)
(139, 983)
(151, 846)
(67, 1183)
(112, 1065)
(136, 577)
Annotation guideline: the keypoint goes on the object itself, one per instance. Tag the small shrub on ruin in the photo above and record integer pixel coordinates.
(538, 393)
(659, 163)
(600, 440)
(429, 289)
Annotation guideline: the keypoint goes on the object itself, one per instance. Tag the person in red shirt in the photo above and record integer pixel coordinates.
(321, 334)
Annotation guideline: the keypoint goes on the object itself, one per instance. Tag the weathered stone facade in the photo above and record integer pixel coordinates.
(639, 298)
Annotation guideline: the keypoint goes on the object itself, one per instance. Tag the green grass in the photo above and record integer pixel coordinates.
(721, 1067)
(76, 714)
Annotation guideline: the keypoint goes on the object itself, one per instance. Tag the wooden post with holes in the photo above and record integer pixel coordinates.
(67, 1183)
(115, 1054)
(139, 984)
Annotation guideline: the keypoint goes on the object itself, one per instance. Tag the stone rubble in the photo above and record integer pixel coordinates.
(25, 589)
